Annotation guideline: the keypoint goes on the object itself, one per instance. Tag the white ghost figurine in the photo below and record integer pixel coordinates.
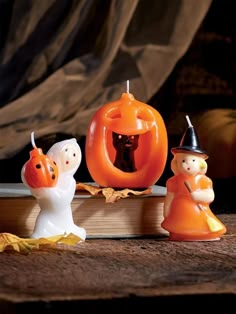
(55, 216)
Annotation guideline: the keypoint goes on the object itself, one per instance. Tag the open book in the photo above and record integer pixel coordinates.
(134, 216)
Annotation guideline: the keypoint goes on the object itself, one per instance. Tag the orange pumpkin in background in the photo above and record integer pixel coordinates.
(217, 134)
(126, 144)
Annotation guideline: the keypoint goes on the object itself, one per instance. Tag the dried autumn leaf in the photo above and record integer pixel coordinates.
(92, 189)
(26, 245)
(111, 195)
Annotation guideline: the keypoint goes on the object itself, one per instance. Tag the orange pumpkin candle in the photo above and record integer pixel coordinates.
(187, 215)
(39, 170)
(126, 144)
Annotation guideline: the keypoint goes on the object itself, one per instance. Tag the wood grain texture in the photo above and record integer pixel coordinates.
(105, 270)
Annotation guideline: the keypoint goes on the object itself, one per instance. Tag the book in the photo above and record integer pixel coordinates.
(133, 216)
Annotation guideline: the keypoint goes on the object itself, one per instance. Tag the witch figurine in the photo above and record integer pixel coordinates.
(187, 215)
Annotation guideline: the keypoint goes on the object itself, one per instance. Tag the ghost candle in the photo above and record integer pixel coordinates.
(55, 216)
(187, 215)
(126, 144)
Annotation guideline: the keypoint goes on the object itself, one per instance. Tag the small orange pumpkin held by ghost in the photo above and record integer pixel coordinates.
(39, 171)
(126, 144)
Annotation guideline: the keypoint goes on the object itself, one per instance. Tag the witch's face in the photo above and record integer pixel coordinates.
(190, 164)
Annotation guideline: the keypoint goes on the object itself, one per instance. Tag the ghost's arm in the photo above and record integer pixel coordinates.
(45, 193)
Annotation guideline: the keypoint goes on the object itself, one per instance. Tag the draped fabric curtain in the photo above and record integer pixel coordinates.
(61, 60)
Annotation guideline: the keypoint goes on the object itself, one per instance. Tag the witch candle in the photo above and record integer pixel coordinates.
(187, 215)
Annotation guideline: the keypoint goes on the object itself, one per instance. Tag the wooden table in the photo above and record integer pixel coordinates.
(113, 275)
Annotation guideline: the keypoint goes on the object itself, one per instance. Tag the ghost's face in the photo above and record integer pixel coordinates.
(189, 164)
(70, 157)
(67, 155)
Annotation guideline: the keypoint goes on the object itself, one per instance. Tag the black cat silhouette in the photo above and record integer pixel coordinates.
(125, 146)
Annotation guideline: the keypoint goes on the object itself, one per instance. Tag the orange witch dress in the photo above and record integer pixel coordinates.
(188, 220)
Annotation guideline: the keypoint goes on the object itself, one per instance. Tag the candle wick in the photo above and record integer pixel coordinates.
(127, 86)
(32, 140)
(189, 122)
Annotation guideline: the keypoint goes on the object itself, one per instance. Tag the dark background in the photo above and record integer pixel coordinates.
(212, 49)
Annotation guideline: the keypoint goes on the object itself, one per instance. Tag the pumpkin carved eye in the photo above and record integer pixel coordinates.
(114, 113)
(145, 115)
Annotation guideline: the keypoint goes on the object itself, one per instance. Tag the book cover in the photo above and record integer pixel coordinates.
(134, 216)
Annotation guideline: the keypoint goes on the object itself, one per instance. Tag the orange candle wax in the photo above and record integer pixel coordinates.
(126, 144)
(187, 215)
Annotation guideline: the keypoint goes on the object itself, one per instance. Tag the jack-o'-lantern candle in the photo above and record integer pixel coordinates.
(126, 144)
(39, 170)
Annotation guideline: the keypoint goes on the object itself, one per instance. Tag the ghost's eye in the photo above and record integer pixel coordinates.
(66, 150)
(74, 154)
(193, 160)
(183, 161)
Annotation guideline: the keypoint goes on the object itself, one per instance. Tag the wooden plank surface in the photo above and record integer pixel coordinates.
(105, 269)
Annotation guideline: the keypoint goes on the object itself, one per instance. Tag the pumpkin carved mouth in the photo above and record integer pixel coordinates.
(125, 147)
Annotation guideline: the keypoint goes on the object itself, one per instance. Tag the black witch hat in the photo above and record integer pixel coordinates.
(189, 141)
